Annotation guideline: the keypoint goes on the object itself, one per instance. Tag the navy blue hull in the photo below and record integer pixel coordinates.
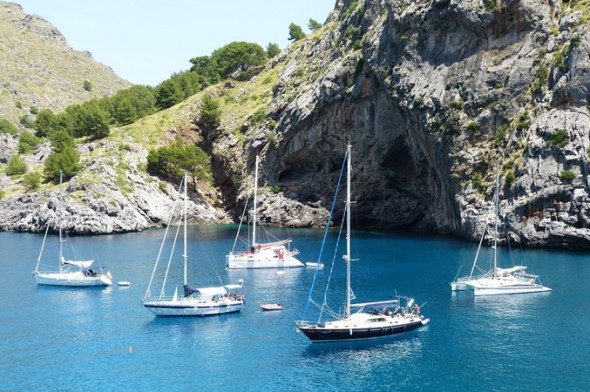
(318, 334)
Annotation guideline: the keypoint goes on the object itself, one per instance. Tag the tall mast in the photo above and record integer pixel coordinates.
(59, 221)
(497, 205)
(184, 255)
(347, 257)
(254, 207)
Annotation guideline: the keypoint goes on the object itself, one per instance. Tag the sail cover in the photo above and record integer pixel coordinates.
(188, 290)
(79, 264)
(506, 271)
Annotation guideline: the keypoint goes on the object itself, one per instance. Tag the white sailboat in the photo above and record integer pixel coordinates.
(371, 319)
(514, 280)
(73, 273)
(205, 301)
(277, 254)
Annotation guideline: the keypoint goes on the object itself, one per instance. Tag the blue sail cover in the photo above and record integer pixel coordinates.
(188, 290)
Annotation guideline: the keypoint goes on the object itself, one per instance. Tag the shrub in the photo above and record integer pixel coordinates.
(259, 116)
(501, 134)
(27, 121)
(295, 32)
(490, 5)
(7, 127)
(87, 85)
(523, 121)
(476, 180)
(32, 181)
(510, 178)
(567, 175)
(27, 143)
(352, 32)
(210, 113)
(171, 162)
(271, 138)
(272, 50)
(472, 127)
(313, 24)
(457, 104)
(541, 78)
(16, 166)
(66, 161)
(560, 138)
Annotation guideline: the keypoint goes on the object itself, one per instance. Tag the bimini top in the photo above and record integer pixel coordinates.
(270, 244)
(507, 271)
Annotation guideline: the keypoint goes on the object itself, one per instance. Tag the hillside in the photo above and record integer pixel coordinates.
(40, 70)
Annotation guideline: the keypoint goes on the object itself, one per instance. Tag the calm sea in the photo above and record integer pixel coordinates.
(104, 340)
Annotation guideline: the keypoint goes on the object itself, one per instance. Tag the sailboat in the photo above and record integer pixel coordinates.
(73, 273)
(205, 301)
(514, 280)
(370, 319)
(277, 254)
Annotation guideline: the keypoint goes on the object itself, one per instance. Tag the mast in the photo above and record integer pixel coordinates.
(347, 256)
(254, 207)
(184, 255)
(497, 205)
(59, 221)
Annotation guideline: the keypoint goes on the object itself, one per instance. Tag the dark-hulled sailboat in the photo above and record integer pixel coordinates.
(370, 319)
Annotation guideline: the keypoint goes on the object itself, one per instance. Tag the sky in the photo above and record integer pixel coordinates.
(146, 41)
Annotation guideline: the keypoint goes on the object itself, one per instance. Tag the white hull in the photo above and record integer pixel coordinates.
(71, 279)
(192, 307)
(462, 284)
(509, 284)
(509, 290)
(261, 260)
(458, 286)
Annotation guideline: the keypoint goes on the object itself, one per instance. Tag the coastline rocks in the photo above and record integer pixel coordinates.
(276, 210)
(111, 195)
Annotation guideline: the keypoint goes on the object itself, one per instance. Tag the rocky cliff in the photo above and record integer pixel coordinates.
(436, 97)
(113, 194)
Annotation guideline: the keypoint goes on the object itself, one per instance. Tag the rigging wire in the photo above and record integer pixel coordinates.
(240, 225)
(309, 299)
(325, 304)
(170, 217)
(170, 260)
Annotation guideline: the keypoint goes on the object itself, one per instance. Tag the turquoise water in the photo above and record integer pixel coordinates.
(104, 340)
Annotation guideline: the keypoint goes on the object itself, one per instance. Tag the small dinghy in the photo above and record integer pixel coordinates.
(124, 283)
(315, 265)
(270, 307)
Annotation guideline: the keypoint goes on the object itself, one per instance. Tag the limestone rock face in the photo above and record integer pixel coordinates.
(436, 97)
(111, 195)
